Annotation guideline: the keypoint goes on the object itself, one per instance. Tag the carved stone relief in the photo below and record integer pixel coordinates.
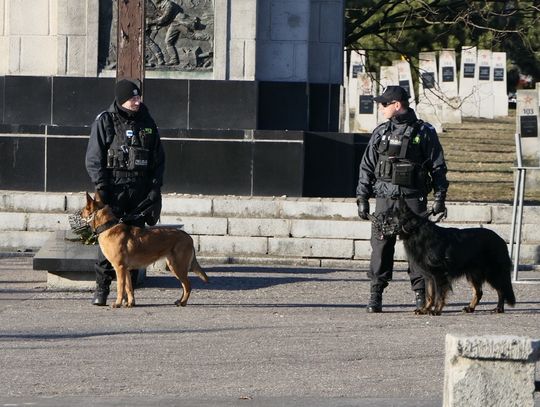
(179, 35)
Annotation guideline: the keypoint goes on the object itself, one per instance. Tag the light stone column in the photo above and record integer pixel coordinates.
(500, 107)
(429, 106)
(448, 85)
(468, 83)
(495, 371)
(485, 84)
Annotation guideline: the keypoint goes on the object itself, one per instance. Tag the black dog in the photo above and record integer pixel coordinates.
(445, 254)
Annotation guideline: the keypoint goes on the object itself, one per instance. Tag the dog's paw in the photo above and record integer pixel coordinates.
(468, 310)
(179, 303)
(497, 310)
(116, 305)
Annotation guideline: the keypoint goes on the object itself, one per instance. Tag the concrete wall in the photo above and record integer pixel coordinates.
(256, 230)
(267, 40)
(49, 37)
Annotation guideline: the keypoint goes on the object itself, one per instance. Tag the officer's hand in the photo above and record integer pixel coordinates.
(438, 206)
(363, 208)
(154, 194)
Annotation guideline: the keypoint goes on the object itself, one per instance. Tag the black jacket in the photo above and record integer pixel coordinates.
(101, 137)
(426, 151)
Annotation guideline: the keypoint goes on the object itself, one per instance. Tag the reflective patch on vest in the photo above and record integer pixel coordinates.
(416, 139)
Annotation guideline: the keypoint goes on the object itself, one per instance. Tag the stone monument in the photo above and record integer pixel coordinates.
(389, 76)
(430, 99)
(486, 100)
(366, 108)
(448, 85)
(405, 80)
(500, 107)
(468, 83)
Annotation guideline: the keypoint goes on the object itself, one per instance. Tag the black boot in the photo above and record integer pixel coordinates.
(100, 296)
(375, 300)
(420, 298)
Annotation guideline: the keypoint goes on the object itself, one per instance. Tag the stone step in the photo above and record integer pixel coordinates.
(236, 229)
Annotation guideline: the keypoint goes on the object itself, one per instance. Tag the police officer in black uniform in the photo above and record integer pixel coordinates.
(404, 158)
(125, 161)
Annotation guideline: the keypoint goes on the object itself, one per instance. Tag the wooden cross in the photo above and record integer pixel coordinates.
(130, 41)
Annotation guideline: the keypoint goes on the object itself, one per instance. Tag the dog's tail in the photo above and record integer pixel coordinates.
(196, 268)
(508, 294)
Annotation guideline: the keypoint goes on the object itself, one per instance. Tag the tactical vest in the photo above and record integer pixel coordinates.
(128, 155)
(398, 163)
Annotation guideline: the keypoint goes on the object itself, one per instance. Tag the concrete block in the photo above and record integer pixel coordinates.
(275, 60)
(469, 213)
(13, 221)
(29, 17)
(360, 265)
(246, 207)
(75, 201)
(76, 55)
(503, 214)
(330, 22)
(32, 202)
(198, 225)
(345, 209)
(243, 19)
(230, 245)
(330, 229)
(187, 206)
(33, 49)
(333, 248)
(301, 61)
(48, 221)
(290, 20)
(259, 227)
(4, 50)
(71, 17)
(490, 371)
(19, 240)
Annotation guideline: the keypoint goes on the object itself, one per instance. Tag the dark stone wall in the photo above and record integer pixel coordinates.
(220, 137)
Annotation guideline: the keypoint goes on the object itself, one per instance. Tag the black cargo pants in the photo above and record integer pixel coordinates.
(382, 255)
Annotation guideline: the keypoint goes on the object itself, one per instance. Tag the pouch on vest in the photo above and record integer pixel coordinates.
(137, 159)
(403, 174)
(384, 170)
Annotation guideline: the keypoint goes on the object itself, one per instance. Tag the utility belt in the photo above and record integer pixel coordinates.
(403, 173)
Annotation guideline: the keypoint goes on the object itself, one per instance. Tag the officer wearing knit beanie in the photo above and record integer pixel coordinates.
(125, 161)
(125, 90)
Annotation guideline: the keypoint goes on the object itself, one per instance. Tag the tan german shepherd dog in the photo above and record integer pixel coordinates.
(130, 247)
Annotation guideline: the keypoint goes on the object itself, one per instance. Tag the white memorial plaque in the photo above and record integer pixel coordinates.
(366, 111)
(357, 66)
(389, 77)
(527, 125)
(405, 80)
(448, 85)
(500, 107)
(429, 106)
(468, 86)
(485, 84)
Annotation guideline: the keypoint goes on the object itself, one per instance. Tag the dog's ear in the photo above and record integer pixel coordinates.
(89, 199)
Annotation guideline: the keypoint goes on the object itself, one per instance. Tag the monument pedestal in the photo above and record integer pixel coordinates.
(70, 263)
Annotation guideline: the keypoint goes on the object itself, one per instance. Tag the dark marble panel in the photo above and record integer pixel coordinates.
(167, 100)
(331, 163)
(222, 104)
(2, 96)
(324, 107)
(23, 129)
(207, 167)
(77, 101)
(65, 165)
(68, 130)
(283, 106)
(278, 168)
(278, 135)
(27, 100)
(22, 166)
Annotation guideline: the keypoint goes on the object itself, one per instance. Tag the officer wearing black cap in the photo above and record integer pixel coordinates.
(125, 161)
(404, 158)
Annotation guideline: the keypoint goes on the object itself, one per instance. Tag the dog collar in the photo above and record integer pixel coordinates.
(107, 225)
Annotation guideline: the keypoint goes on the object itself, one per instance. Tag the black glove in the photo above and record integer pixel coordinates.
(363, 208)
(155, 194)
(438, 206)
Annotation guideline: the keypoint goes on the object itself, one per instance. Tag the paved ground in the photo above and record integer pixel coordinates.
(252, 337)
